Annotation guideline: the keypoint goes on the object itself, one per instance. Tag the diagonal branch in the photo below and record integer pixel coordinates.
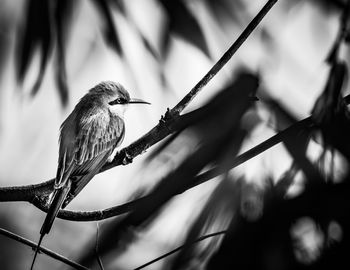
(42, 249)
(35, 194)
(181, 247)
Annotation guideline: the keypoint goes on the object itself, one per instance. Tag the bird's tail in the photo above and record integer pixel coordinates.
(58, 198)
(37, 250)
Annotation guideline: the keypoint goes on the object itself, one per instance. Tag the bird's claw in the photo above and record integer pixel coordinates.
(127, 158)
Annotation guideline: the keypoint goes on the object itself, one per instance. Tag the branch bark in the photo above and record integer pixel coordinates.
(36, 194)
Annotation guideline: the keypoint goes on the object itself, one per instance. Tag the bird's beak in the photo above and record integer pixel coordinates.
(138, 101)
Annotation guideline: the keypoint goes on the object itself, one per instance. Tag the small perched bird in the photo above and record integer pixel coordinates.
(89, 136)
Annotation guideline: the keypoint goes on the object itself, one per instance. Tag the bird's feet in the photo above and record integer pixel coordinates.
(127, 158)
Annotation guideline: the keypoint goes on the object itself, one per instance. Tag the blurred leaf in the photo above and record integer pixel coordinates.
(222, 106)
(282, 116)
(284, 183)
(5, 32)
(203, 116)
(297, 143)
(118, 4)
(149, 46)
(330, 102)
(37, 35)
(47, 22)
(331, 113)
(331, 4)
(63, 18)
(215, 216)
(343, 34)
(251, 203)
(110, 33)
(183, 23)
(227, 10)
(161, 146)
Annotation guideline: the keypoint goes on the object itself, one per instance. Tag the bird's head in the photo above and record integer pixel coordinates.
(115, 96)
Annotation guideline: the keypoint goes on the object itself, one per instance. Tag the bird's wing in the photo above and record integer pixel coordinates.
(94, 148)
(84, 152)
(66, 156)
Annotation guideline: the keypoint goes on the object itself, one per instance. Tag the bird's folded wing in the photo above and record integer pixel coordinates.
(94, 141)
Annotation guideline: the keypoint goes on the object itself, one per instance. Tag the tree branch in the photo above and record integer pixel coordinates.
(181, 247)
(36, 194)
(42, 249)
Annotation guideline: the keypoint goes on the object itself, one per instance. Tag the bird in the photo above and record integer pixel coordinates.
(88, 139)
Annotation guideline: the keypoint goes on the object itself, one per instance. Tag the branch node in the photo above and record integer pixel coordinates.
(168, 118)
(42, 200)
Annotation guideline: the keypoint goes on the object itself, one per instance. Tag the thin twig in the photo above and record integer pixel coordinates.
(179, 248)
(33, 193)
(96, 247)
(42, 249)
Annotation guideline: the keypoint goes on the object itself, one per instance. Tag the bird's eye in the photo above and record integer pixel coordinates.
(118, 101)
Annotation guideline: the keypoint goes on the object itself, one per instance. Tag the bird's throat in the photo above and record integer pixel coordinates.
(118, 110)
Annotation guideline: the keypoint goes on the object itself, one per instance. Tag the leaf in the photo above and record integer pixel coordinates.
(215, 216)
(149, 46)
(5, 21)
(37, 35)
(226, 9)
(183, 23)
(285, 182)
(283, 117)
(327, 104)
(63, 17)
(296, 144)
(46, 20)
(330, 4)
(118, 4)
(162, 145)
(330, 112)
(110, 33)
